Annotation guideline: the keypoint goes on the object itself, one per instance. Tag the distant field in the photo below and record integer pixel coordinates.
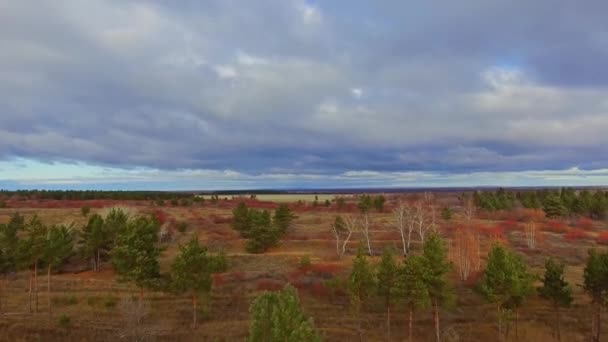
(284, 198)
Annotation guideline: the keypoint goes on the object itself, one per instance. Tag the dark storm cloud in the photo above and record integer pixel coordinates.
(307, 87)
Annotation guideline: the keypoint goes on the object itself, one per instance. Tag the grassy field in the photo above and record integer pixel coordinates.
(290, 198)
(95, 303)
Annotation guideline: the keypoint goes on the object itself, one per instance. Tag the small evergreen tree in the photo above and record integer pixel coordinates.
(191, 272)
(263, 234)
(378, 203)
(241, 220)
(95, 239)
(277, 317)
(283, 217)
(435, 276)
(135, 254)
(596, 285)
(506, 282)
(59, 247)
(85, 211)
(387, 277)
(411, 287)
(30, 253)
(361, 282)
(556, 290)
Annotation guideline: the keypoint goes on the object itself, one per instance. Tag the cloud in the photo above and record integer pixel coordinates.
(321, 89)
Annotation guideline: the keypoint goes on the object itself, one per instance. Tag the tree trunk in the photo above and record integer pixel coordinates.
(403, 242)
(598, 322)
(30, 292)
(436, 319)
(36, 285)
(499, 323)
(48, 286)
(338, 246)
(388, 320)
(516, 322)
(410, 319)
(194, 309)
(98, 261)
(557, 324)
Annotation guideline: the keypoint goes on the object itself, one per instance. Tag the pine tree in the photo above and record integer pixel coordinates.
(135, 254)
(556, 290)
(95, 239)
(59, 246)
(435, 276)
(241, 220)
(506, 282)
(387, 277)
(31, 252)
(596, 285)
(361, 282)
(191, 272)
(283, 218)
(277, 317)
(9, 243)
(263, 234)
(411, 287)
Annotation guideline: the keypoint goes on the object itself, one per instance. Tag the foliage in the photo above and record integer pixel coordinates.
(135, 254)
(493, 201)
(282, 218)
(387, 276)
(305, 262)
(555, 288)
(9, 243)
(85, 211)
(446, 213)
(378, 203)
(59, 245)
(64, 321)
(277, 316)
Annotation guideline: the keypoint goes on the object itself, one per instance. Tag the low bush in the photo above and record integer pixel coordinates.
(64, 321)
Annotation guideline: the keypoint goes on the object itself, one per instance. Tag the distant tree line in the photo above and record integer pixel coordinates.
(555, 203)
(94, 195)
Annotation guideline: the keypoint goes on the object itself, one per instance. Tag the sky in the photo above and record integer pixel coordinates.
(226, 94)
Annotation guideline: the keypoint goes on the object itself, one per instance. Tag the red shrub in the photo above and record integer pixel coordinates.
(269, 285)
(575, 235)
(602, 239)
(585, 223)
(326, 269)
(556, 227)
(161, 216)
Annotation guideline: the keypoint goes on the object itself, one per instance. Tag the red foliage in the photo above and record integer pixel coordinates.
(602, 239)
(269, 285)
(575, 235)
(160, 216)
(496, 232)
(556, 227)
(326, 269)
(509, 225)
(585, 223)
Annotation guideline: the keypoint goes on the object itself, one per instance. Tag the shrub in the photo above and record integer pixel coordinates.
(3, 204)
(556, 227)
(181, 226)
(305, 262)
(110, 302)
(64, 321)
(269, 285)
(602, 239)
(575, 235)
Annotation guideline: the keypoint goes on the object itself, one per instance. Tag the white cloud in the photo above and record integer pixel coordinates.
(356, 92)
(226, 71)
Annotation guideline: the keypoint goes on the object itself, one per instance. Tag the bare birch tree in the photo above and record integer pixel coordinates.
(530, 231)
(343, 229)
(364, 228)
(404, 223)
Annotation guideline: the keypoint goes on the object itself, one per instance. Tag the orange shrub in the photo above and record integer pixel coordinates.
(575, 235)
